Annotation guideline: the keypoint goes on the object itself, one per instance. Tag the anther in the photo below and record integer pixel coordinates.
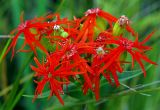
(56, 27)
(92, 11)
(100, 51)
(123, 20)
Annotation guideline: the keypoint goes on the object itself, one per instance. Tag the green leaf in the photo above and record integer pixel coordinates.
(17, 98)
(44, 95)
(11, 97)
(23, 80)
(4, 50)
(46, 43)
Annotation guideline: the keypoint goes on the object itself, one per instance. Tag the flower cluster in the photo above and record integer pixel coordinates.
(73, 50)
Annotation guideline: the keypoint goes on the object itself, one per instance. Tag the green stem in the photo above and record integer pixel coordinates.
(10, 87)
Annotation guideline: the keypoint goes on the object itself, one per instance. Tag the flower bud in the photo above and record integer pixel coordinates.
(120, 25)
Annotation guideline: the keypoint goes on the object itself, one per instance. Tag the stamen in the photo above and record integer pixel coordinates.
(100, 51)
(56, 27)
(102, 37)
(70, 53)
(126, 43)
(123, 20)
(92, 11)
(49, 75)
(22, 26)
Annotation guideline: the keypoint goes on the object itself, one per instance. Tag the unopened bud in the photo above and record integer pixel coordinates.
(92, 11)
(123, 21)
(120, 25)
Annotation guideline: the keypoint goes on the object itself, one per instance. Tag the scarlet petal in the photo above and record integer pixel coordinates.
(147, 38)
(111, 60)
(84, 38)
(87, 80)
(107, 16)
(129, 29)
(69, 73)
(141, 64)
(145, 58)
(132, 55)
(37, 62)
(12, 45)
(55, 91)
(115, 77)
(36, 69)
(85, 88)
(107, 76)
(39, 88)
(97, 87)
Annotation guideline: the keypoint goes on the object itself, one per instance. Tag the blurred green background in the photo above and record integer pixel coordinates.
(135, 93)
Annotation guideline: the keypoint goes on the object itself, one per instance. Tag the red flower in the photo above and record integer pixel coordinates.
(110, 18)
(122, 20)
(72, 54)
(136, 49)
(30, 38)
(55, 74)
(96, 66)
(107, 59)
(72, 49)
(40, 27)
(87, 31)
